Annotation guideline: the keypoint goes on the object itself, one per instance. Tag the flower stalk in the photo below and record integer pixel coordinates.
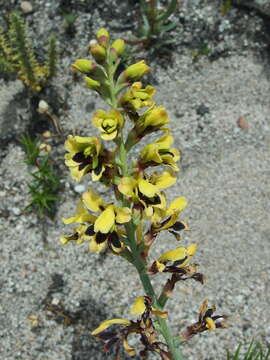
(130, 226)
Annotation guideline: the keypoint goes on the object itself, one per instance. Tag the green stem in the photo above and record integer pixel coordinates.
(136, 257)
(148, 288)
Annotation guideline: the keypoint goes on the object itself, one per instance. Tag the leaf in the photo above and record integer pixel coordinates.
(168, 27)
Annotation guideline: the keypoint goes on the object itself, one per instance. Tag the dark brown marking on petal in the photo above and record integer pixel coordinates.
(98, 169)
(178, 226)
(78, 157)
(90, 230)
(114, 239)
(179, 262)
(100, 238)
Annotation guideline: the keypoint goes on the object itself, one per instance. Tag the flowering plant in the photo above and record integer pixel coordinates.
(130, 226)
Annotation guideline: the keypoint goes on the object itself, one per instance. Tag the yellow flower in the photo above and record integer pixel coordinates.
(84, 156)
(108, 123)
(144, 303)
(137, 97)
(147, 191)
(181, 255)
(153, 119)
(167, 219)
(101, 229)
(160, 152)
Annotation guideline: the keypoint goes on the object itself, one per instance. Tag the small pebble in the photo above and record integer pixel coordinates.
(79, 188)
(242, 123)
(16, 211)
(55, 301)
(26, 7)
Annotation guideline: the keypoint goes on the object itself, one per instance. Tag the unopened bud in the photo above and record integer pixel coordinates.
(118, 46)
(134, 72)
(91, 83)
(117, 49)
(43, 107)
(98, 52)
(103, 37)
(84, 66)
(47, 134)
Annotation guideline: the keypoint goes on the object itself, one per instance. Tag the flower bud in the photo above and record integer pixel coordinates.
(45, 147)
(134, 72)
(43, 107)
(118, 46)
(117, 49)
(103, 37)
(84, 66)
(47, 134)
(91, 83)
(98, 52)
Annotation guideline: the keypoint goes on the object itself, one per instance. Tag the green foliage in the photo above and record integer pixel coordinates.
(51, 58)
(17, 55)
(203, 50)
(155, 23)
(31, 149)
(255, 351)
(69, 24)
(226, 6)
(45, 182)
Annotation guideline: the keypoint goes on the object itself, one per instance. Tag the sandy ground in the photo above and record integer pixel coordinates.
(225, 175)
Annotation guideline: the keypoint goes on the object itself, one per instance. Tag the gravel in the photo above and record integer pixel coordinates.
(53, 295)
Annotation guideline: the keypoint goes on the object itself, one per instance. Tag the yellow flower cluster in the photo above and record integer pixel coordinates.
(129, 226)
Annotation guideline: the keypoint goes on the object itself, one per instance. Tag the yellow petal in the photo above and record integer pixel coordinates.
(165, 142)
(210, 323)
(107, 136)
(191, 249)
(166, 179)
(92, 200)
(159, 266)
(174, 255)
(147, 189)
(138, 307)
(177, 205)
(126, 186)
(162, 314)
(105, 324)
(95, 247)
(129, 350)
(123, 215)
(105, 221)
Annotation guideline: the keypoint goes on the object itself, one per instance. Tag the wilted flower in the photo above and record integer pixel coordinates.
(143, 327)
(207, 321)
